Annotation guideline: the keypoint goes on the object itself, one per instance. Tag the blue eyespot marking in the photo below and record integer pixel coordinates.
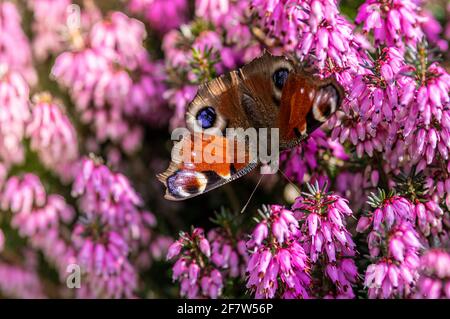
(279, 77)
(206, 117)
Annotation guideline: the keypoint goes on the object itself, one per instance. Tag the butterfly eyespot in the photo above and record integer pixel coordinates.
(325, 103)
(279, 77)
(206, 117)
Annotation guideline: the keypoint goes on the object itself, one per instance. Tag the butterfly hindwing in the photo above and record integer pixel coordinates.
(202, 162)
(306, 103)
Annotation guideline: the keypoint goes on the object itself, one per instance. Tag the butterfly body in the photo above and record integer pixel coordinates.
(269, 92)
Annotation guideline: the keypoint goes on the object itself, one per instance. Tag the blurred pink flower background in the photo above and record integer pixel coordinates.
(90, 90)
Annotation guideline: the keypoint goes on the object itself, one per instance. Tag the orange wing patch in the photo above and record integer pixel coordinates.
(201, 162)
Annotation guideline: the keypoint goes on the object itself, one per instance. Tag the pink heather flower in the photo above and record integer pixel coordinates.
(108, 200)
(429, 218)
(389, 210)
(108, 196)
(281, 19)
(328, 36)
(438, 184)
(109, 75)
(43, 219)
(15, 49)
(161, 15)
(213, 10)
(231, 21)
(18, 282)
(355, 185)
(93, 84)
(228, 253)
(313, 30)
(49, 24)
(159, 247)
(425, 92)
(433, 30)
(52, 134)
(121, 37)
(174, 250)
(395, 272)
(230, 18)
(303, 160)
(175, 55)
(112, 226)
(15, 114)
(40, 218)
(434, 280)
(344, 274)
(179, 99)
(56, 248)
(198, 277)
(371, 107)
(103, 256)
(23, 195)
(280, 224)
(326, 239)
(145, 98)
(278, 265)
(394, 247)
(384, 280)
(33, 211)
(391, 21)
(447, 26)
(71, 69)
(324, 225)
(403, 239)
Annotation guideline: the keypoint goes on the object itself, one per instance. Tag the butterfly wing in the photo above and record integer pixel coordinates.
(260, 95)
(306, 103)
(206, 158)
(277, 92)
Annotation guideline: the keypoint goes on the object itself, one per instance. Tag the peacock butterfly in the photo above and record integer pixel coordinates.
(269, 92)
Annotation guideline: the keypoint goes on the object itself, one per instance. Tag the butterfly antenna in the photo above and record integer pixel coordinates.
(251, 195)
(290, 182)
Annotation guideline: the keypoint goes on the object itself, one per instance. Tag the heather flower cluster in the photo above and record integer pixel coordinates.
(328, 242)
(111, 224)
(394, 247)
(40, 218)
(52, 135)
(14, 94)
(208, 265)
(111, 79)
(278, 265)
(312, 160)
(392, 22)
(90, 91)
(197, 278)
(434, 281)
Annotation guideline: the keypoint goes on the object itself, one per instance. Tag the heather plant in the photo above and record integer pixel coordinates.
(90, 91)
